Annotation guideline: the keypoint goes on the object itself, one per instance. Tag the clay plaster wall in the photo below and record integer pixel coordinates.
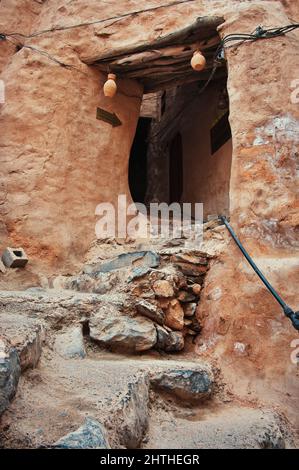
(16, 16)
(206, 176)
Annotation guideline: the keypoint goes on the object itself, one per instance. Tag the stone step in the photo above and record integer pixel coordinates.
(55, 399)
(228, 427)
(25, 334)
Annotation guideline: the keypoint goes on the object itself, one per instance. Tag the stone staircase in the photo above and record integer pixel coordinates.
(89, 363)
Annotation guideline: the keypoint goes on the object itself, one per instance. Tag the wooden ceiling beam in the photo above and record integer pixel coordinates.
(152, 86)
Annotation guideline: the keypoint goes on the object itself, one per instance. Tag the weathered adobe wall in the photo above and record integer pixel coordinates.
(16, 16)
(58, 161)
(243, 324)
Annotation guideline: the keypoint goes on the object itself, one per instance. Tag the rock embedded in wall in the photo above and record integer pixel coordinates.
(176, 297)
(151, 311)
(175, 315)
(160, 302)
(168, 340)
(163, 288)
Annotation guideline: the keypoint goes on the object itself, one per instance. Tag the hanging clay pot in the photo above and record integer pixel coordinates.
(110, 86)
(198, 61)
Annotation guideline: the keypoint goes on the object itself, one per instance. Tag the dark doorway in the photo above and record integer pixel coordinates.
(138, 161)
(176, 169)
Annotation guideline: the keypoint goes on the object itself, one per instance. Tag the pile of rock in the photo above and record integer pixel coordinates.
(169, 297)
(147, 299)
(160, 306)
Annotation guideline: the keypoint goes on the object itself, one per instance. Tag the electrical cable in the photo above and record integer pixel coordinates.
(258, 33)
(90, 23)
(46, 54)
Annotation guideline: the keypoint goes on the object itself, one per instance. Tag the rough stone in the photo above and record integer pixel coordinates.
(134, 413)
(190, 309)
(191, 269)
(184, 296)
(190, 258)
(143, 289)
(10, 371)
(196, 325)
(25, 334)
(58, 308)
(185, 384)
(91, 435)
(196, 289)
(180, 280)
(175, 315)
(70, 344)
(163, 288)
(169, 341)
(151, 311)
(123, 332)
(138, 272)
(140, 259)
(163, 302)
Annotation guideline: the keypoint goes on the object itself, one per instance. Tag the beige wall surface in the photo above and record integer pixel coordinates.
(58, 161)
(206, 176)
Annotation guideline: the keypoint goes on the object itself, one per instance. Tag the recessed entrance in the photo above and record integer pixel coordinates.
(183, 154)
(182, 147)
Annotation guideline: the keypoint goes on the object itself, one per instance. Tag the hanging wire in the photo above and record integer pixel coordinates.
(46, 54)
(236, 39)
(90, 23)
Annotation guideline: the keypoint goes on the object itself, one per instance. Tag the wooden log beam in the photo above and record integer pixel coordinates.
(167, 61)
(144, 57)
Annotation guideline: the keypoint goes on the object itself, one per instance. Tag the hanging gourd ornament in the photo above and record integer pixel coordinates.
(110, 86)
(198, 61)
